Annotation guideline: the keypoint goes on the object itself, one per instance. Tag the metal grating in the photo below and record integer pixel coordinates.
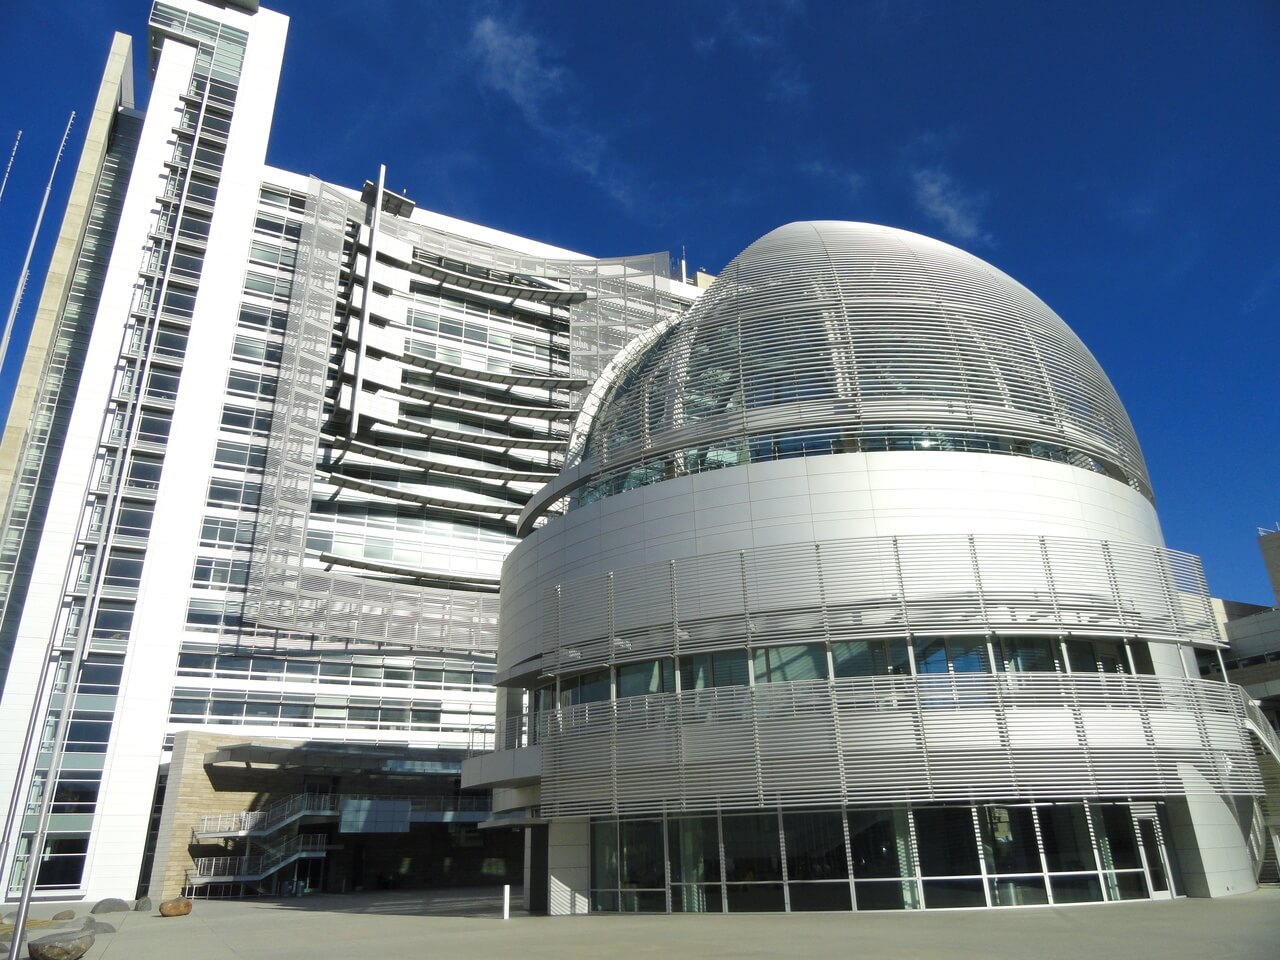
(838, 337)
(870, 587)
(295, 591)
(892, 739)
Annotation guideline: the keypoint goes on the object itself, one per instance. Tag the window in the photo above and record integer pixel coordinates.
(220, 532)
(144, 471)
(195, 226)
(725, 669)
(77, 791)
(801, 662)
(62, 861)
(196, 662)
(752, 862)
(101, 675)
(948, 848)
(870, 658)
(951, 655)
(585, 688)
(187, 265)
(815, 847)
(1141, 653)
(134, 519)
(271, 255)
(1096, 656)
(256, 351)
(1027, 654)
(153, 427)
(238, 456)
(275, 288)
(246, 420)
(220, 572)
(278, 197)
(124, 568)
(261, 317)
(162, 385)
(209, 615)
(245, 383)
(180, 302)
(224, 493)
(170, 342)
(113, 620)
(638, 679)
(88, 732)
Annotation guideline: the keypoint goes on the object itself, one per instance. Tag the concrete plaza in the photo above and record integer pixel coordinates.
(468, 924)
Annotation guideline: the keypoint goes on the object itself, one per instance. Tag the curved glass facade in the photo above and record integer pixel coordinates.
(835, 337)
(899, 857)
(786, 676)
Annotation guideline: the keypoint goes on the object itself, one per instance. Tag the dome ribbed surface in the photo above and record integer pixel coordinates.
(830, 337)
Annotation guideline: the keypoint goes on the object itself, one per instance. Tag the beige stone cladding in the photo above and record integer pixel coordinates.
(192, 792)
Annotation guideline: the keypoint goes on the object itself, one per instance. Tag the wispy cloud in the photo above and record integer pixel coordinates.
(512, 62)
(758, 30)
(845, 179)
(751, 25)
(1137, 210)
(1263, 289)
(956, 208)
(515, 64)
(787, 85)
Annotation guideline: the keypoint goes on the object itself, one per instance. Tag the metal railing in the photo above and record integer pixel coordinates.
(509, 734)
(268, 818)
(1261, 726)
(285, 589)
(259, 865)
(266, 821)
(978, 355)
(890, 738)
(869, 587)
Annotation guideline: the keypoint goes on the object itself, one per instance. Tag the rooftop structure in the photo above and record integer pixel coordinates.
(860, 601)
(270, 443)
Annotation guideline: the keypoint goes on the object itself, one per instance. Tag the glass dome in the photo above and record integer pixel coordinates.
(832, 337)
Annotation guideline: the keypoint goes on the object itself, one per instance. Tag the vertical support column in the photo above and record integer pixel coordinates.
(569, 866)
(357, 378)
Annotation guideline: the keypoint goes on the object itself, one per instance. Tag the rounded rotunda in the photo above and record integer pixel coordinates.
(852, 595)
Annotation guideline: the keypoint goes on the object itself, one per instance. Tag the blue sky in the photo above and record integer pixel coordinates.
(1120, 159)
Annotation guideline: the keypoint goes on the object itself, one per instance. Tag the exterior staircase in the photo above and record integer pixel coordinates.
(261, 823)
(1267, 750)
(270, 848)
(258, 866)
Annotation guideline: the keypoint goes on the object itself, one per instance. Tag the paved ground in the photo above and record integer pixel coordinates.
(467, 924)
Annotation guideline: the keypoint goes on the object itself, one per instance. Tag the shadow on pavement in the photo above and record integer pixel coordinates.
(469, 902)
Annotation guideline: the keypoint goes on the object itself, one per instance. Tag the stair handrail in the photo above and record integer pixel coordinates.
(260, 864)
(247, 821)
(285, 809)
(1261, 726)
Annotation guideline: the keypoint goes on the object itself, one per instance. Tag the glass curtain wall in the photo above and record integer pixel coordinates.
(892, 858)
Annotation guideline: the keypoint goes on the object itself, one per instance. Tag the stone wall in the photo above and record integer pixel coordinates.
(193, 791)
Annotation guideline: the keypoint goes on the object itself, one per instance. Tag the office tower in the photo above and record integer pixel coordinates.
(270, 442)
(861, 602)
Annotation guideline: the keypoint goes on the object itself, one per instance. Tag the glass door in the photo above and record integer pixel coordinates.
(1155, 859)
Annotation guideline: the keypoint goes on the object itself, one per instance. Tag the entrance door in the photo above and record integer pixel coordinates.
(322, 786)
(1154, 858)
(539, 882)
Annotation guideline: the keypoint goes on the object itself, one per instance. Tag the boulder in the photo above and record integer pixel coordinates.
(61, 946)
(64, 915)
(96, 926)
(111, 905)
(177, 907)
(143, 905)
